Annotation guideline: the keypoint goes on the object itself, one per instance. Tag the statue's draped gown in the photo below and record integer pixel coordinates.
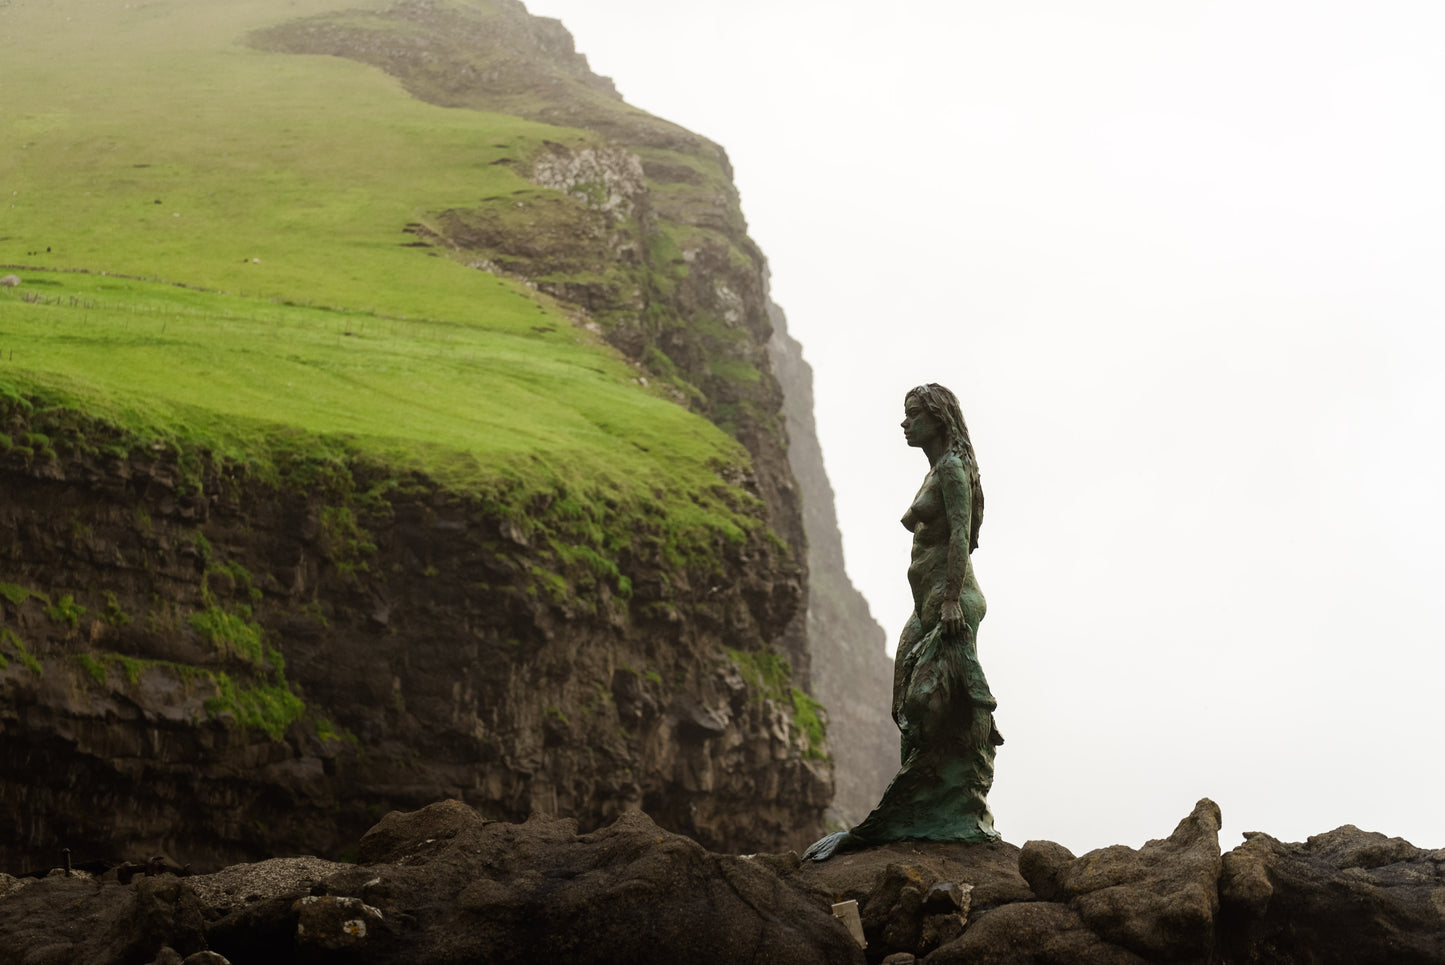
(941, 700)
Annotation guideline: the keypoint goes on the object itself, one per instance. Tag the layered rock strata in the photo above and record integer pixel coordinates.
(199, 662)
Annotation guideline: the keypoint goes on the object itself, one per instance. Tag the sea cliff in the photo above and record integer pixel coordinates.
(487, 493)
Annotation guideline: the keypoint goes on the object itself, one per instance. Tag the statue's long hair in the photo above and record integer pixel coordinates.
(943, 406)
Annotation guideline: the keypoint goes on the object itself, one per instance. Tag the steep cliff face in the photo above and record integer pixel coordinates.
(223, 663)
(197, 663)
(636, 226)
(852, 672)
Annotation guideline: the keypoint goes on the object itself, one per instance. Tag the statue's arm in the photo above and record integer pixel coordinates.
(957, 507)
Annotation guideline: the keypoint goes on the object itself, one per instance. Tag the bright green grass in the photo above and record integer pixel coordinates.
(278, 175)
(285, 183)
(465, 405)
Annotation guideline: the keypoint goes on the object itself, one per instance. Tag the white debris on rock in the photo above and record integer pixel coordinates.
(246, 883)
(331, 921)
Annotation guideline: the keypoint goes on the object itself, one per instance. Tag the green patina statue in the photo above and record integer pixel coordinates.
(941, 700)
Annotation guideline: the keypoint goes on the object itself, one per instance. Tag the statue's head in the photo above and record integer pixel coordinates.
(943, 406)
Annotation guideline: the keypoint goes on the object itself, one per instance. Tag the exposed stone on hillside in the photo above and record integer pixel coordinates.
(442, 885)
(852, 672)
(604, 179)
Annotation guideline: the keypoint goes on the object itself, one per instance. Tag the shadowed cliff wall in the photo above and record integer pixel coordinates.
(852, 672)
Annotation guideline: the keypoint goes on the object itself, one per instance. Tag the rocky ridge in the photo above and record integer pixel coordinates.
(443, 884)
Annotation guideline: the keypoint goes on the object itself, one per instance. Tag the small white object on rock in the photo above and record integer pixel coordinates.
(333, 922)
(847, 911)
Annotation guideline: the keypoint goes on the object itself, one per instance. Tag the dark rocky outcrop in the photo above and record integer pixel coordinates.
(915, 898)
(443, 885)
(1158, 902)
(198, 663)
(1345, 896)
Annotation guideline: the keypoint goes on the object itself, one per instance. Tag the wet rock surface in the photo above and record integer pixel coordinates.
(1345, 896)
(444, 884)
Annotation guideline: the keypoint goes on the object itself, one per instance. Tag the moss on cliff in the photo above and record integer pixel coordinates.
(770, 676)
(270, 707)
(11, 639)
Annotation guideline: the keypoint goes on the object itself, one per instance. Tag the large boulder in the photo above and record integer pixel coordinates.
(1159, 902)
(1347, 896)
(62, 919)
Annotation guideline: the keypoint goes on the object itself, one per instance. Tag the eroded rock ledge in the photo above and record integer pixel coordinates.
(443, 884)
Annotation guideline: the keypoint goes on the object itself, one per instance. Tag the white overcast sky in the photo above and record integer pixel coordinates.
(1182, 262)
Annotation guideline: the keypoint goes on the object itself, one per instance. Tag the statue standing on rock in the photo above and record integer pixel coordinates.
(941, 701)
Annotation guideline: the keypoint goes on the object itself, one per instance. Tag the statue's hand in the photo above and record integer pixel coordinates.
(952, 619)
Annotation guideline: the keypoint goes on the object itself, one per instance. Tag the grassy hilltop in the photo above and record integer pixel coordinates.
(218, 250)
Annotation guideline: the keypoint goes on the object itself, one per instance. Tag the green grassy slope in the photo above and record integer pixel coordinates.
(144, 147)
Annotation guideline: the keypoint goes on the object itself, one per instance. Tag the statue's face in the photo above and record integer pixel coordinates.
(919, 425)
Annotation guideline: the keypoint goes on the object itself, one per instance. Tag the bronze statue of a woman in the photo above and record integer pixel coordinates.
(941, 700)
